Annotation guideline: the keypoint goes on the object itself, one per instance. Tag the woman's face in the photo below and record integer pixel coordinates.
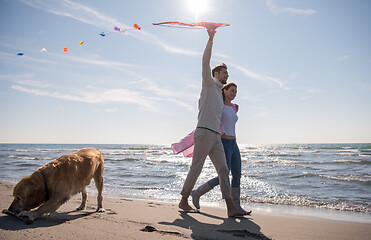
(230, 93)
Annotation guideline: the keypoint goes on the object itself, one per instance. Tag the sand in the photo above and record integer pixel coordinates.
(145, 219)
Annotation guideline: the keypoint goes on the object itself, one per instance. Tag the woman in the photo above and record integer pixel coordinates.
(232, 152)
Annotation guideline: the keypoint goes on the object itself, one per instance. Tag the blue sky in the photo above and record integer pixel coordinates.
(302, 68)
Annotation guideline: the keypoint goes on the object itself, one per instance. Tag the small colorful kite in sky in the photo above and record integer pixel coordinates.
(209, 25)
(135, 26)
(119, 30)
(20, 54)
(64, 50)
(82, 42)
(102, 34)
(43, 50)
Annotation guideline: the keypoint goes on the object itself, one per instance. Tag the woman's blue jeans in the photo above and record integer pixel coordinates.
(233, 157)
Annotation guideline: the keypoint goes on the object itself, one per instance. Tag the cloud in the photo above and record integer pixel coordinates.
(90, 16)
(95, 96)
(8, 56)
(16, 77)
(273, 8)
(76, 11)
(259, 77)
(146, 84)
(125, 67)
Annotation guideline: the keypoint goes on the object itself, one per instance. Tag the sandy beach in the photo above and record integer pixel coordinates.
(145, 219)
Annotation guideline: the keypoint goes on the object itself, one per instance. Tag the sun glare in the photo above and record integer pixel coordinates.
(198, 6)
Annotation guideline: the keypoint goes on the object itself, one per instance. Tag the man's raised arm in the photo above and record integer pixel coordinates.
(206, 71)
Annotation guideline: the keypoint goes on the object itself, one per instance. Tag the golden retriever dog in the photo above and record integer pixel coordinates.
(54, 183)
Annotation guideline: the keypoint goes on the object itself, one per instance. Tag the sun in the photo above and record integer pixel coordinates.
(198, 6)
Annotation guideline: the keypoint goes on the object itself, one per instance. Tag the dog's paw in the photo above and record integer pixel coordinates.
(27, 214)
(6, 211)
(26, 217)
(101, 210)
(81, 207)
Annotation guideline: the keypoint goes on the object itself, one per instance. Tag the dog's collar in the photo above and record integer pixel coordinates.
(45, 186)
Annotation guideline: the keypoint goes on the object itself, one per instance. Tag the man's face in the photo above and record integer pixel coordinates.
(222, 76)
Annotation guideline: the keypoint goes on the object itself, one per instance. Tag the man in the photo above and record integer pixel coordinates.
(207, 136)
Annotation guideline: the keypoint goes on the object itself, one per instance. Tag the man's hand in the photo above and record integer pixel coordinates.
(211, 33)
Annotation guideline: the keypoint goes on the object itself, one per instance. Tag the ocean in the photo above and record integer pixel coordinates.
(312, 179)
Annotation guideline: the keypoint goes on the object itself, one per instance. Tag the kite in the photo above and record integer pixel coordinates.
(209, 25)
(119, 30)
(64, 50)
(20, 54)
(135, 26)
(82, 42)
(43, 50)
(102, 34)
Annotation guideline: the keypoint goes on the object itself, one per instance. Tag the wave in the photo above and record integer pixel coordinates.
(283, 155)
(302, 147)
(346, 154)
(28, 165)
(55, 150)
(366, 152)
(148, 152)
(122, 159)
(337, 147)
(24, 150)
(352, 161)
(148, 188)
(136, 147)
(305, 175)
(46, 150)
(272, 154)
(347, 178)
(302, 201)
(23, 157)
(276, 161)
(351, 178)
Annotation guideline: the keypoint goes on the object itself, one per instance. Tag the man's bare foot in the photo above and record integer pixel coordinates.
(238, 213)
(185, 206)
(233, 211)
(240, 209)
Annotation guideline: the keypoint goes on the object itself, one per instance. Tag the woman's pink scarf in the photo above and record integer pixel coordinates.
(187, 144)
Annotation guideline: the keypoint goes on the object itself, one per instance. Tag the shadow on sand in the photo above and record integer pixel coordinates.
(13, 223)
(230, 228)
